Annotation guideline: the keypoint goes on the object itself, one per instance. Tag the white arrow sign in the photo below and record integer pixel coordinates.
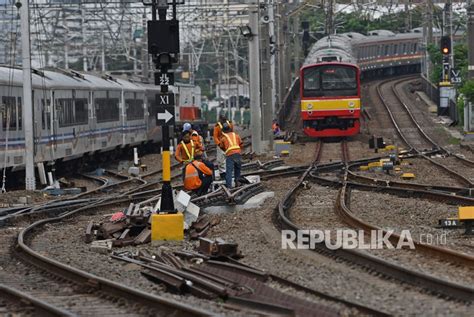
(165, 116)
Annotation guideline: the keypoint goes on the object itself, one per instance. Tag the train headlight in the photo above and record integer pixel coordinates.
(310, 106)
(351, 104)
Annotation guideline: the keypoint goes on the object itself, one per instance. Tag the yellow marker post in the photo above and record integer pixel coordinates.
(466, 213)
(167, 227)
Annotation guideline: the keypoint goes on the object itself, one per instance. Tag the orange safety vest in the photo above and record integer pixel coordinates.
(191, 178)
(190, 155)
(233, 145)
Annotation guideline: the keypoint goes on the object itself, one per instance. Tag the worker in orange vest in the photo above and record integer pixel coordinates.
(195, 137)
(231, 144)
(198, 176)
(217, 135)
(185, 149)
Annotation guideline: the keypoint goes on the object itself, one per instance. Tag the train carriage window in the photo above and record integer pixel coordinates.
(71, 111)
(134, 108)
(387, 47)
(80, 106)
(395, 49)
(65, 111)
(330, 80)
(415, 48)
(8, 113)
(107, 109)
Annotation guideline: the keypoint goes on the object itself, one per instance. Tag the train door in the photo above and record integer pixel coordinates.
(92, 120)
(12, 127)
(54, 126)
(41, 103)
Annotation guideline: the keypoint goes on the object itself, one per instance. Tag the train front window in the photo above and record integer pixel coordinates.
(330, 81)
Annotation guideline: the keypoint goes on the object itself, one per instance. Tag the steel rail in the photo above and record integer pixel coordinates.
(379, 265)
(405, 107)
(84, 278)
(284, 222)
(41, 307)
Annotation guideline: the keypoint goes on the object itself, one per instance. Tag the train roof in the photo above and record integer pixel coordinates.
(382, 38)
(68, 79)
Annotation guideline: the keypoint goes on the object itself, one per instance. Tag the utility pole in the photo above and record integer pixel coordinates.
(66, 43)
(219, 77)
(102, 42)
(144, 43)
(429, 8)
(280, 53)
(83, 31)
(271, 29)
(236, 66)
(227, 82)
(254, 80)
(27, 105)
(468, 113)
(266, 93)
(297, 46)
(407, 16)
(330, 17)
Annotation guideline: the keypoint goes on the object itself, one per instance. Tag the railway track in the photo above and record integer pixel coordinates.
(411, 132)
(67, 289)
(19, 303)
(381, 266)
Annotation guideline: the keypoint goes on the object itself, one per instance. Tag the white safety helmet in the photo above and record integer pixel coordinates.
(187, 126)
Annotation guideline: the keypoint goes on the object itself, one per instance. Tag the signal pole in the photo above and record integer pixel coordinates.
(163, 45)
(254, 76)
(27, 105)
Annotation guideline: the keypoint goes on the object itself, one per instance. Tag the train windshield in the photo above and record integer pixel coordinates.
(330, 81)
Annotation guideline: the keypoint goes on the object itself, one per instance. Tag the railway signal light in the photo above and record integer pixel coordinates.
(446, 45)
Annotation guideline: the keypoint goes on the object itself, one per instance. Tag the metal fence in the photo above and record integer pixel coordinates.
(430, 89)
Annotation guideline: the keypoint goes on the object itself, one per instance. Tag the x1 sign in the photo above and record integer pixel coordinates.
(165, 115)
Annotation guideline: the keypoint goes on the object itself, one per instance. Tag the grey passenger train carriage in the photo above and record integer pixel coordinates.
(379, 52)
(76, 115)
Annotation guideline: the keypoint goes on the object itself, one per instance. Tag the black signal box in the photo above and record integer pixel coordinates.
(163, 36)
(445, 45)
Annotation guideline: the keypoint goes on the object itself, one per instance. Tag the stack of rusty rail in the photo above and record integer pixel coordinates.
(201, 226)
(201, 275)
(131, 227)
